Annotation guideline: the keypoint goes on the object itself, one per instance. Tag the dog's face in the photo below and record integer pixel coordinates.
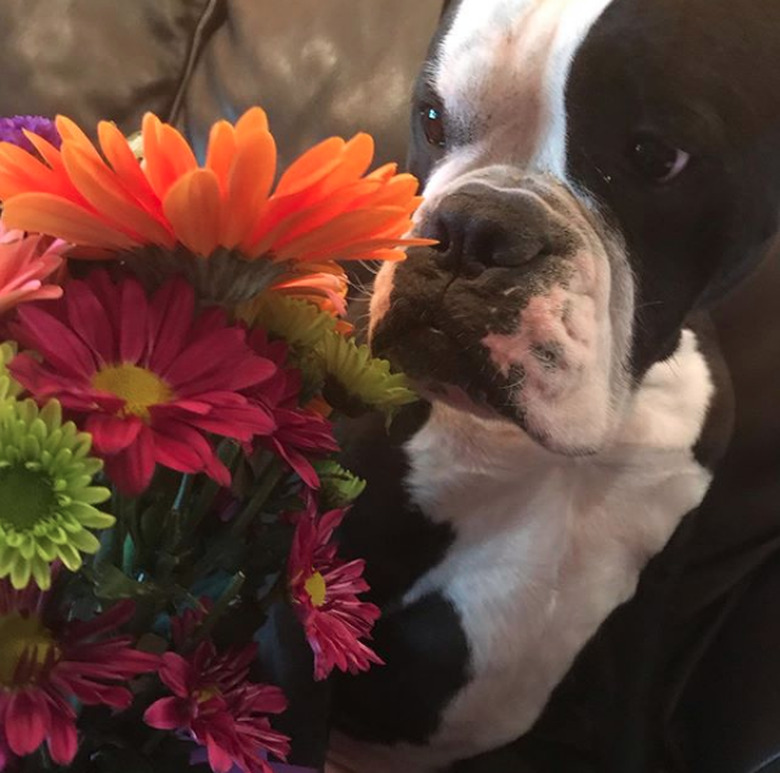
(594, 171)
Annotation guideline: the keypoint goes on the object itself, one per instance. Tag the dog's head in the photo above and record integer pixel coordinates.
(595, 170)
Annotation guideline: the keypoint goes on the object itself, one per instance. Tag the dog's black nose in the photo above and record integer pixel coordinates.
(480, 227)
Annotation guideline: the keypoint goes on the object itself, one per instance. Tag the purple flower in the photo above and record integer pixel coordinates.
(11, 130)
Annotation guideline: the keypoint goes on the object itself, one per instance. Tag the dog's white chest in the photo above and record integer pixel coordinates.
(548, 546)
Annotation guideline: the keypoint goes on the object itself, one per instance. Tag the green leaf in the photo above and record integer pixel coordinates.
(112, 583)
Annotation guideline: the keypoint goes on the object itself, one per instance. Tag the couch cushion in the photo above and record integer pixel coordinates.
(93, 59)
(318, 68)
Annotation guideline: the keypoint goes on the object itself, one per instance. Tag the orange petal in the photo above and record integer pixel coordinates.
(221, 152)
(253, 120)
(19, 171)
(352, 161)
(369, 246)
(249, 183)
(22, 172)
(390, 256)
(353, 164)
(101, 187)
(341, 232)
(268, 239)
(120, 156)
(70, 132)
(167, 156)
(398, 191)
(193, 208)
(47, 151)
(384, 173)
(333, 205)
(50, 214)
(312, 166)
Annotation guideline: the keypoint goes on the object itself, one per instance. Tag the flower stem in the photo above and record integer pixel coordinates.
(228, 453)
(271, 477)
(113, 549)
(219, 609)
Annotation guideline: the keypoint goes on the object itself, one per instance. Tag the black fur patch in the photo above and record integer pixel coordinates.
(426, 663)
(398, 542)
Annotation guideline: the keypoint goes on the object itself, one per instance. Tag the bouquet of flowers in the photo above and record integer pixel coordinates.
(173, 355)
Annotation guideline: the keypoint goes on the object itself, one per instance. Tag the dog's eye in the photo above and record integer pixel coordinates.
(656, 160)
(433, 125)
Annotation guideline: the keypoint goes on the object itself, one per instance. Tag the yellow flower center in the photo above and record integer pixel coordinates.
(206, 694)
(23, 636)
(316, 588)
(138, 387)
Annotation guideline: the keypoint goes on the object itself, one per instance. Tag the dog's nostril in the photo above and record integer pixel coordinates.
(480, 228)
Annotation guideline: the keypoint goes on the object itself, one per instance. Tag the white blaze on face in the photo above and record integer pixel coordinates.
(501, 72)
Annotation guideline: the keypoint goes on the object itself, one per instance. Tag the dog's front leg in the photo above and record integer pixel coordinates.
(395, 709)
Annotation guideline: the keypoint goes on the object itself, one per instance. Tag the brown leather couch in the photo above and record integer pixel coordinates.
(322, 68)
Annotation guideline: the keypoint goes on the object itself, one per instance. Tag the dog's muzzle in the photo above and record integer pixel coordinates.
(512, 312)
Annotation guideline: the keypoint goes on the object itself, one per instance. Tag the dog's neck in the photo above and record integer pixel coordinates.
(547, 546)
(458, 454)
(544, 547)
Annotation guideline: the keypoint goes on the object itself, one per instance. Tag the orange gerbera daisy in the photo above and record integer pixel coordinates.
(220, 222)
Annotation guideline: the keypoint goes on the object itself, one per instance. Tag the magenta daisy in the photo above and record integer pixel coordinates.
(47, 664)
(149, 378)
(216, 705)
(300, 433)
(324, 593)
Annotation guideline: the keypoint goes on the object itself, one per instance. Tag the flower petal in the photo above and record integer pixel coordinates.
(193, 206)
(132, 469)
(104, 190)
(176, 674)
(50, 337)
(134, 313)
(248, 185)
(167, 156)
(63, 739)
(112, 434)
(50, 214)
(168, 714)
(26, 722)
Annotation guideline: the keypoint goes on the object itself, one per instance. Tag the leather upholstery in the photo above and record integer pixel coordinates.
(94, 59)
(318, 68)
(322, 68)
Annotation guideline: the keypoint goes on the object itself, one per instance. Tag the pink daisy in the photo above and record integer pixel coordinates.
(26, 262)
(215, 704)
(300, 433)
(325, 592)
(46, 664)
(149, 378)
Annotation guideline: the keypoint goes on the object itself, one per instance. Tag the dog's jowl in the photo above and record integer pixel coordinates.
(597, 173)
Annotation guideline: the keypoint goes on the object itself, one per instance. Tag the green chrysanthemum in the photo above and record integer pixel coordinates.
(354, 381)
(299, 322)
(352, 373)
(8, 386)
(338, 486)
(46, 494)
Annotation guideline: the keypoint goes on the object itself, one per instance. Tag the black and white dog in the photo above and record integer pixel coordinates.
(596, 173)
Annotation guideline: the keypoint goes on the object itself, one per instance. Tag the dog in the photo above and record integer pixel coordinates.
(597, 174)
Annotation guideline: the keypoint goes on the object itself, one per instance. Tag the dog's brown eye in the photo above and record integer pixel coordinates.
(656, 160)
(433, 125)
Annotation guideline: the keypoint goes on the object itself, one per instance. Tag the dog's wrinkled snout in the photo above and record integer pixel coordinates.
(479, 227)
